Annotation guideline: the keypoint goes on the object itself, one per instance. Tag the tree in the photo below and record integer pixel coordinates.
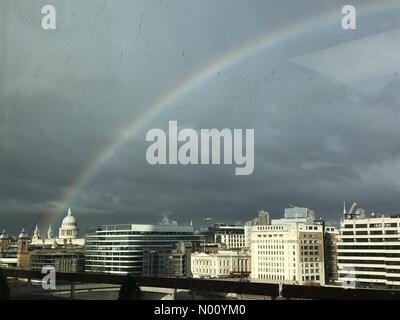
(4, 289)
(130, 289)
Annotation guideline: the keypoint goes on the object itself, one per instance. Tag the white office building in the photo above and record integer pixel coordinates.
(369, 251)
(229, 236)
(233, 238)
(119, 248)
(263, 218)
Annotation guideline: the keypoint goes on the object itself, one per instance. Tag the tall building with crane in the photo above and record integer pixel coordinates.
(369, 249)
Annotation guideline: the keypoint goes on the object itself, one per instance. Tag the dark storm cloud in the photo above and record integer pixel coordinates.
(66, 94)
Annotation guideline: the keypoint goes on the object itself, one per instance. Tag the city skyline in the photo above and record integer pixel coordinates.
(166, 218)
(296, 249)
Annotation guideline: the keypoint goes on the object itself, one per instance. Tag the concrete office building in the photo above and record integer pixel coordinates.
(62, 260)
(369, 251)
(262, 219)
(331, 238)
(119, 248)
(229, 236)
(168, 262)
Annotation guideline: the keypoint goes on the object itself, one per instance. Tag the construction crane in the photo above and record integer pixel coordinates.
(353, 206)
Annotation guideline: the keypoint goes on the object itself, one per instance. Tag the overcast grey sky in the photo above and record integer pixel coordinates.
(326, 129)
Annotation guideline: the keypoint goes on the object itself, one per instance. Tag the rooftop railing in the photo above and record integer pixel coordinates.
(271, 290)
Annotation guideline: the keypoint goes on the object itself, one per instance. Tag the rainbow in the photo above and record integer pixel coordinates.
(198, 78)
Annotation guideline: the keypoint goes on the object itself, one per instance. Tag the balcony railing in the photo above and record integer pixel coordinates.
(222, 286)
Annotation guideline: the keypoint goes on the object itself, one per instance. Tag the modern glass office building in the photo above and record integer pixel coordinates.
(299, 213)
(119, 248)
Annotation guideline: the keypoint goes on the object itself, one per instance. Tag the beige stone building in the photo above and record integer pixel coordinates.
(221, 264)
(291, 252)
